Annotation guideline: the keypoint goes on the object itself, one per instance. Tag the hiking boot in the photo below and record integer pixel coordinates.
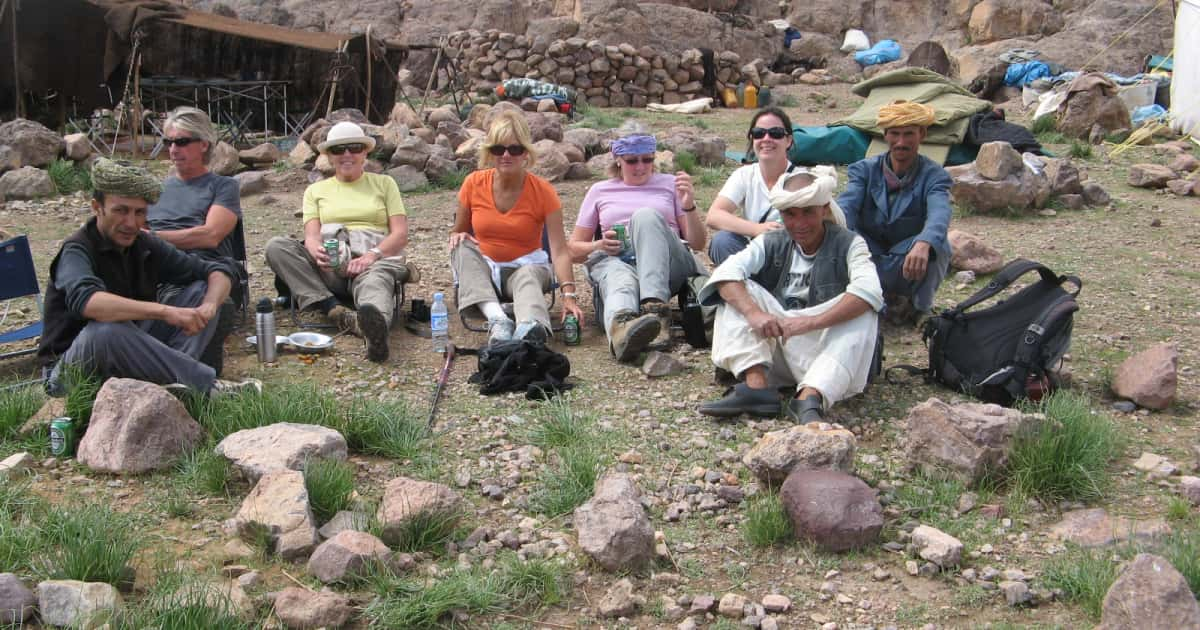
(414, 274)
(743, 399)
(805, 410)
(222, 387)
(344, 319)
(662, 311)
(530, 330)
(500, 329)
(375, 330)
(631, 334)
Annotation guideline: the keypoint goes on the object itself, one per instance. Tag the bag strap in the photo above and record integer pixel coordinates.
(1048, 324)
(1008, 275)
(910, 370)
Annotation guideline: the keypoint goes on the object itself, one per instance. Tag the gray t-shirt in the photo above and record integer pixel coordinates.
(185, 204)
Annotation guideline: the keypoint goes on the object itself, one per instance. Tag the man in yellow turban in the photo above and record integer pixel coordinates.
(899, 202)
(102, 313)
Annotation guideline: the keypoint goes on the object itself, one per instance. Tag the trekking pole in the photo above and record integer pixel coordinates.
(442, 378)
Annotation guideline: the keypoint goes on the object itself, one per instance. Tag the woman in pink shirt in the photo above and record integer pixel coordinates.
(637, 277)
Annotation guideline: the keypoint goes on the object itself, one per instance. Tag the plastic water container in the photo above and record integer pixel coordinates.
(439, 323)
(751, 97)
(729, 97)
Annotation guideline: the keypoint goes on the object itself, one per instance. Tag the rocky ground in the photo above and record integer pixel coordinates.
(942, 555)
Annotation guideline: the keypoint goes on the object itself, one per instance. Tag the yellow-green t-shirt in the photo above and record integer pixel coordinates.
(364, 204)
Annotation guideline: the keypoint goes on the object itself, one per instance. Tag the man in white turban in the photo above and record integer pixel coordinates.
(797, 306)
(900, 203)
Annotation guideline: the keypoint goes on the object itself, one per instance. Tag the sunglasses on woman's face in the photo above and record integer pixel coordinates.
(354, 148)
(179, 142)
(776, 133)
(512, 149)
(645, 159)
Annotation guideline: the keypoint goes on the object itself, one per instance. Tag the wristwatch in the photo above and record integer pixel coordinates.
(375, 250)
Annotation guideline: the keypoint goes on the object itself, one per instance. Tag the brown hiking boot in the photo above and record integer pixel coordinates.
(662, 311)
(375, 330)
(631, 334)
(344, 319)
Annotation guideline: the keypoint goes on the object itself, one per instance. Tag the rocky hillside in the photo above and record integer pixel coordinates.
(1070, 32)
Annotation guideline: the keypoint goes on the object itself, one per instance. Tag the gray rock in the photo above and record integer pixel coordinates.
(612, 527)
(1149, 592)
(251, 182)
(1149, 378)
(1189, 487)
(1016, 593)
(709, 149)
(411, 151)
(408, 178)
(964, 277)
(346, 555)
(1064, 177)
(266, 153)
(345, 521)
(15, 465)
(1150, 175)
(1095, 195)
(438, 168)
(937, 546)
(776, 603)
(74, 603)
(303, 609)
(405, 499)
(1072, 202)
(620, 600)
(1095, 528)
(1124, 406)
(76, 146)
(731, 605)
(964, 440)
(35, 145)
(136, 427)
(659, 364)
(445, 113)
(224, 159)
(278, 506)
(813, 446)
(998, 160)
(588, 140)
(831, 508)
(280, 446)
(302, 154)
(971, 253)
(552, 164)
(26, 182)
(17, 602)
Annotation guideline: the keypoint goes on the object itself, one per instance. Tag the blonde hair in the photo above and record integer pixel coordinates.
(195, 122)
(507, 124)
(628, 128)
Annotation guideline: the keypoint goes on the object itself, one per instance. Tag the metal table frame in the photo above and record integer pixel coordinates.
(219, 98)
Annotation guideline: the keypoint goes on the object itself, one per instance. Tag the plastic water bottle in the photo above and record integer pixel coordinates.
(439, 323)
(264, 328)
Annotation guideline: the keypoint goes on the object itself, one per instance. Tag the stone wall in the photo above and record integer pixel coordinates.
(604, 74)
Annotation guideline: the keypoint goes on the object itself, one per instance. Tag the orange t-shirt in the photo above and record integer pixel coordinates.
(505, 236)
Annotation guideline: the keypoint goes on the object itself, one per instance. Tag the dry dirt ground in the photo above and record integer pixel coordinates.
(1140, 288)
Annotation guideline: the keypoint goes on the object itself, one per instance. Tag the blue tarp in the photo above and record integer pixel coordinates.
(882, 52)
(1021, 74)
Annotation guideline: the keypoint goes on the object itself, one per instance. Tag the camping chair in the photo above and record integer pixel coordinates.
(19, 280)
(478, 325)
(240, 292)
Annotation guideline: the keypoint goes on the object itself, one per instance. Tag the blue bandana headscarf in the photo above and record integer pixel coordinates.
(634, 145)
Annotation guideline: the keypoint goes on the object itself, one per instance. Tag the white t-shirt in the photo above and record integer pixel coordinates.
(799, 276)
(748, 191)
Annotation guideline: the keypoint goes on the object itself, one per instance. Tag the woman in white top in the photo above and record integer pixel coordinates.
(746, 189)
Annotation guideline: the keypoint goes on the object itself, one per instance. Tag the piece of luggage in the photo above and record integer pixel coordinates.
(520, 366)
(1007, 351)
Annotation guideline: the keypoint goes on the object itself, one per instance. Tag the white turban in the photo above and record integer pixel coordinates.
(818, 193)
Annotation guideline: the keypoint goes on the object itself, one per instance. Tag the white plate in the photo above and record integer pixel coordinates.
(279, 339)
(310, 341)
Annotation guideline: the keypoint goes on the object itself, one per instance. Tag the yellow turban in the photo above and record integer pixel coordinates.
(903, 114)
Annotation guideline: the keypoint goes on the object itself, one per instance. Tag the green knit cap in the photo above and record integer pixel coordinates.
(114, 178)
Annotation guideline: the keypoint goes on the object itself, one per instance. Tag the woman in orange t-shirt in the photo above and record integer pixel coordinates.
(496, 244)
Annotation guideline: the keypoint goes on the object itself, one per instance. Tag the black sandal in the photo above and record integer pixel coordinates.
(808, 409)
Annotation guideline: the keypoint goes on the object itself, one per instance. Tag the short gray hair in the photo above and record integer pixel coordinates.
(195, 122)
(628, 128)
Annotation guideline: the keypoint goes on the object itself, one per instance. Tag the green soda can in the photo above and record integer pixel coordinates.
(620, 230)
(571, 331)
(62, 437)
(332, 248)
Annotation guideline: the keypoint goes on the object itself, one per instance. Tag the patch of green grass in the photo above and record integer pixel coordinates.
(330, 484)
(928, 498)
(283, 166)
(426, 531)
(20, 541)
(90, 543)
(391, 429)
(1083, 575)
(567, 483)
(178, 506)
(1080, 150)
(1051, 137)
(971, 596)
(192, 605)
(599, 118)
(767, 523)
(560, 426)
(203, 471)
(1182, 549)
(82, 388)
(784, 100)
(534, 582)
(69, 178)
(1066, 456)
(1044, 124)
(912, 614)
(16, 406)
(686, 162)
(1178, 509)
(302, 403)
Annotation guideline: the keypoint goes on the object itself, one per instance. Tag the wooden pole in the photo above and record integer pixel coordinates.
(135, 117)
(437, 59)
(368, 109)
(19, 105)
(333, 81)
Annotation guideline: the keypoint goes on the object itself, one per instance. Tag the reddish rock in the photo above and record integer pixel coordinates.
(964, 440)
(1181, 187)
(346, 555)
(301, 608)
(833, 509)
(1184, 163)
(1150, 175)
(136, 427)
(1095, 528)
(1149, 378)
(971, 253)
(1149, 592)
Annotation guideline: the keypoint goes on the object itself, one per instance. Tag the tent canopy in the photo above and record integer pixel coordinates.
(1185, 79)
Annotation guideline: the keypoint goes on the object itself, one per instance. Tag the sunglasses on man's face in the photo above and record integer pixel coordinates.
(776, 133)
(645, 159)
(179, 142)
(355, 148)
(512, 149)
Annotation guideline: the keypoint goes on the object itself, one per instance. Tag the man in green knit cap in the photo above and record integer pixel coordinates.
(101, 310)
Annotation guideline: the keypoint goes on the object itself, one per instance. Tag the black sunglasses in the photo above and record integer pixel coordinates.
(179, 142)
(513, 149)
(645, 159)
(776, 133)
(355, 148)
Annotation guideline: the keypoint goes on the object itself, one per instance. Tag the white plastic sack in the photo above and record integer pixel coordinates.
(855, 41)
(695, 106)
(1049, 102)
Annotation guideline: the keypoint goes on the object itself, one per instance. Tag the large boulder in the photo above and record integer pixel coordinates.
(612, 527)
(1094, 527)
(831, 508)
(224, 159)
(76, 146)
(135, 427)
(589, 140)
(304, 609)
(1150, 175)
(405, 499)
(251, 182)
(998, 160)
(412, 151)
(1149, 592)
(1149, 378)
(708, 148)
(408, 178)
(17, 602)
(277, 509)
(33, 142)
(77, 604)
(1065, 178)
(302, 154)
(936, 546)
(552, 164)
(403, 114)
(1017, 191)
(1097, 106)
(971, 253)
(264, 154)
(812, 446)
(280, 446)
(545, 126)
(346, 555)
(993, 20)
(964, 440)
(26, 182)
